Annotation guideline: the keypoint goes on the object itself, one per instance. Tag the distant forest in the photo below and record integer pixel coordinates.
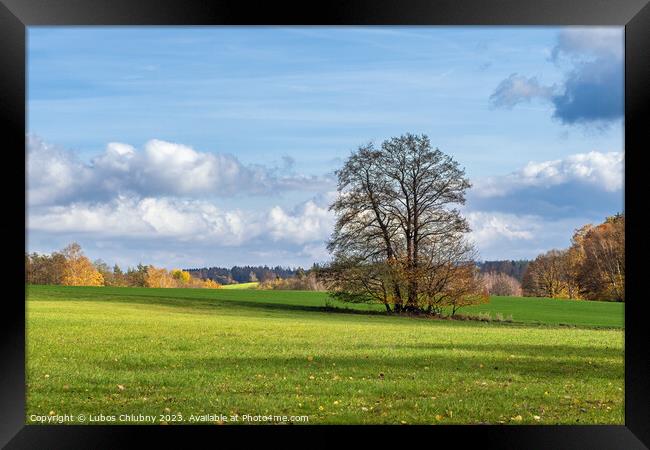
(243, 274)
(246, 274)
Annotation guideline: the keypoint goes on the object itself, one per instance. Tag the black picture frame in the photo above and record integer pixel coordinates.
(16, 15)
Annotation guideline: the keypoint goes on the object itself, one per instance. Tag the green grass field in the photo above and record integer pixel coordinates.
(184, 352)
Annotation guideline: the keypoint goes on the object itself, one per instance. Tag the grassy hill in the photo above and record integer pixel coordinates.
(199, 351)
(522, 309)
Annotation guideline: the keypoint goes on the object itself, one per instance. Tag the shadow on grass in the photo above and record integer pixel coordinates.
(209, 303)
(594, 353)
(205, 303)
(552, 363)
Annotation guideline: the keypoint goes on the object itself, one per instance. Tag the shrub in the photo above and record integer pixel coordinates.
(485, 317)
(209, 284)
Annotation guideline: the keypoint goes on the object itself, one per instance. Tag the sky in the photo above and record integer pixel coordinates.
(216, 146)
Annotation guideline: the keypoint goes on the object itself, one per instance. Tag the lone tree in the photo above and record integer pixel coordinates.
(398, 239)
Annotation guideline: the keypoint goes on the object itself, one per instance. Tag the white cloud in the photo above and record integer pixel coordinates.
(589, 41)
(52, 173)
(538, 207)
(316, 252)
(488, 227)
(184, 220)
(500, 235)
(303, 226)
(518, 89)
(160, 169)
(603, 171)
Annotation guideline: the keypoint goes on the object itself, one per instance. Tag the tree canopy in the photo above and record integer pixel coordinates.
(399, 237)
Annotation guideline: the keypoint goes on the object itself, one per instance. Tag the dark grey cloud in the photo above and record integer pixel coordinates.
(572, 199)
(592, 91)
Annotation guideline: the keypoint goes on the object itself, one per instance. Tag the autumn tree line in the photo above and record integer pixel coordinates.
(70, 267)
(244, 274)
(592, 268)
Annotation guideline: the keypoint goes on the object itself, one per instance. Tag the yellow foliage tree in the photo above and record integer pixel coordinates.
(78, 270)
(182, 276)
(159, 278)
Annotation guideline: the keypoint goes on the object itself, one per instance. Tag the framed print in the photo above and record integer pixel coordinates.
(364, 217)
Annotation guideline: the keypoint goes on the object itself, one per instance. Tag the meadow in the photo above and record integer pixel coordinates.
(193, 352)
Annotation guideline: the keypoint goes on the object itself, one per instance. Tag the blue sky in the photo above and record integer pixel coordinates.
(216, 145)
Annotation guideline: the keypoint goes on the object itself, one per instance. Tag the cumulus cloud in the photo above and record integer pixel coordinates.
(52, 173)
(487, 227)
(592, 90)
(500, 235)
(584, 183)
(518, 89)
(160, 169)
(184, 220)
(305, 225)
(603, 171)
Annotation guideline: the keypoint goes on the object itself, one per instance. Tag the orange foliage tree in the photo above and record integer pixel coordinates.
(592, 268)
